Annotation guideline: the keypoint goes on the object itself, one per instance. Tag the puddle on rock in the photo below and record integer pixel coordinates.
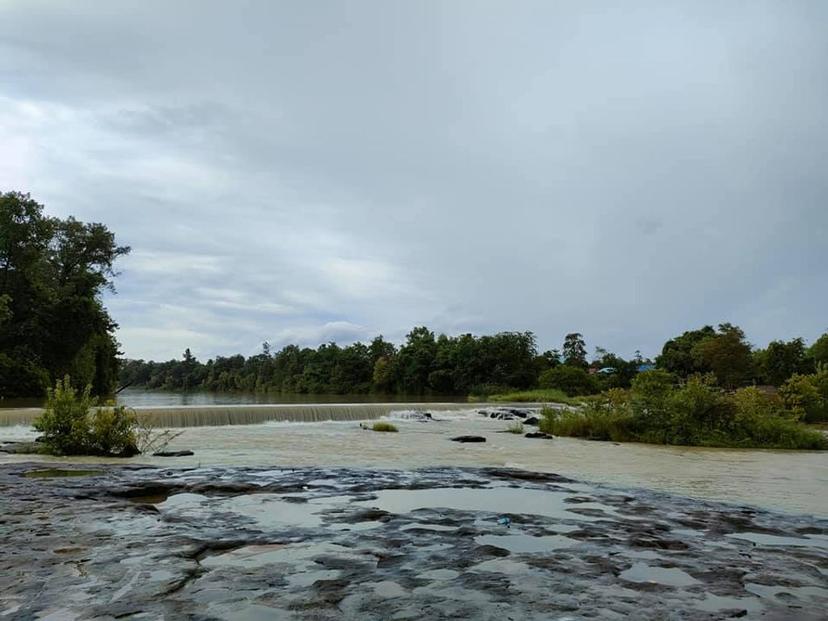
(761, 539)
(499, 500)
(670, 576)
(50, 473)
(714, 603)
(267, 510)
(522, 544)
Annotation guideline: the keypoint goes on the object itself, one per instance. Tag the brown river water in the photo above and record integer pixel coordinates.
(790, 481)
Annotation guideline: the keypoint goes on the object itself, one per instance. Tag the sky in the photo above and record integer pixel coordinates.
(314, 171)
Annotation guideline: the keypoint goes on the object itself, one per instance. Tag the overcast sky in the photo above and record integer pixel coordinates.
(309, 171)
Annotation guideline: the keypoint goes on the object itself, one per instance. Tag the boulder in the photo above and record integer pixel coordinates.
(538, 434)
(532, 420)
(468, 439)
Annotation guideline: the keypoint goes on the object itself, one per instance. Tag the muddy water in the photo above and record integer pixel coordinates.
(790, 481)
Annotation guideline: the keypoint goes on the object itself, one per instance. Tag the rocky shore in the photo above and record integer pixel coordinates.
(444, 543)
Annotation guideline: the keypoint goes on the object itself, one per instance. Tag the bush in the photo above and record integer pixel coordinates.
(383, 426)
(71, 425)
(696, 414)
(573, 381)
(806, 396)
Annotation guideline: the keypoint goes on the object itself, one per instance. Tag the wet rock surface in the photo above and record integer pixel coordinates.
(312, 543)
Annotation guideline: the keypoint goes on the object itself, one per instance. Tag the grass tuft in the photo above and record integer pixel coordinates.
(384, 426)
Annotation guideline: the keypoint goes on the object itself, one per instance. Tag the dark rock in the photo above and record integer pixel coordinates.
(538, 434)
(468, 439)
(532, 420)
(172, 454)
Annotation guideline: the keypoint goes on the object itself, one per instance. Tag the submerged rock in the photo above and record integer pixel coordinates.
(538, 434)
(172, 453)
(468, 439)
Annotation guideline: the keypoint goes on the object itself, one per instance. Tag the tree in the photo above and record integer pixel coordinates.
(52, 274)
(574, 350)
(818, 352)
(727, 355)
(574, 381)
(677, 354)
(783, 359)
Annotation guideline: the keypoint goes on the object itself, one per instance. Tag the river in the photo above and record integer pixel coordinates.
(791, 481)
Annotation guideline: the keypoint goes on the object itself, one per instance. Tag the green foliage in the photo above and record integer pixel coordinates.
(806, 396)
(384, 427)
(696, 413)
(425, 364)
(539, 395)
(723, 352)
(571, 380)
(818, 352)
(780, 360)
(52, 321)
(727, 355)
(71, 425)
(574, 350)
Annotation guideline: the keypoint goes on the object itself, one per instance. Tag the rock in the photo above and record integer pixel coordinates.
(344, 548)
(172, 454)
(468, 439)
(538, 434)
(22, 448)
(532, 420)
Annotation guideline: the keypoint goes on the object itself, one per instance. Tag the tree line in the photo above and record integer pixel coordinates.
(467, 364)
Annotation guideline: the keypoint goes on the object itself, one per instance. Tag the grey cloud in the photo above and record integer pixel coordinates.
(330, 169)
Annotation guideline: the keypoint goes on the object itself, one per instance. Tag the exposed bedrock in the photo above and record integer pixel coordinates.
(312, 543)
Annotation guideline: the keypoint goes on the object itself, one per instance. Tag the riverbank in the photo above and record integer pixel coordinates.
(314, 543)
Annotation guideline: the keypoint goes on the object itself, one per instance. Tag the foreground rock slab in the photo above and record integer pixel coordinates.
(443, 543)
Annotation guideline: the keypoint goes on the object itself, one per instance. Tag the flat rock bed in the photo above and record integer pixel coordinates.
(133, 542)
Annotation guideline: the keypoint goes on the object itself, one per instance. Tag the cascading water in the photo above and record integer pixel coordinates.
(216, 415)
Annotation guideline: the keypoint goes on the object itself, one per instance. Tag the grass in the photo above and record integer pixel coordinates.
(516, 427)
(597, 422)
(539, 395)
(383, 426)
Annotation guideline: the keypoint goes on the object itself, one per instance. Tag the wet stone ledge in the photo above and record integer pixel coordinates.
(445, 543)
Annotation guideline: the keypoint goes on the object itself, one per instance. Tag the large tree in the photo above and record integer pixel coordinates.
(52, 275)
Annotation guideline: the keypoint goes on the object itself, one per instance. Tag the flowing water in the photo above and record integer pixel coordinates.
(792, 481)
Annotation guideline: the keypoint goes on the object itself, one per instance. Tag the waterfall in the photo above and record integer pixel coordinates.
(215, 415)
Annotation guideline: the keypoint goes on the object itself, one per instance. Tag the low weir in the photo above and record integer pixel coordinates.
(215, 415)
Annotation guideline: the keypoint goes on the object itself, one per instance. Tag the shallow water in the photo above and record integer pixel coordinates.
(793, 481)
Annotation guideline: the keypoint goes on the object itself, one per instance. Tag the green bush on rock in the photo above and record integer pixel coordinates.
(72, 425)
(697, 413)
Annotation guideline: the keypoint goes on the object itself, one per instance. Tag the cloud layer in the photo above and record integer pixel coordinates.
(315, 171)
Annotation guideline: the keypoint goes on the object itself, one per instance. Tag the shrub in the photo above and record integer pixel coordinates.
(573, 381)
(71, 425)
(384, 426)
(697, 414)
(806, 396)
(515, 427)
